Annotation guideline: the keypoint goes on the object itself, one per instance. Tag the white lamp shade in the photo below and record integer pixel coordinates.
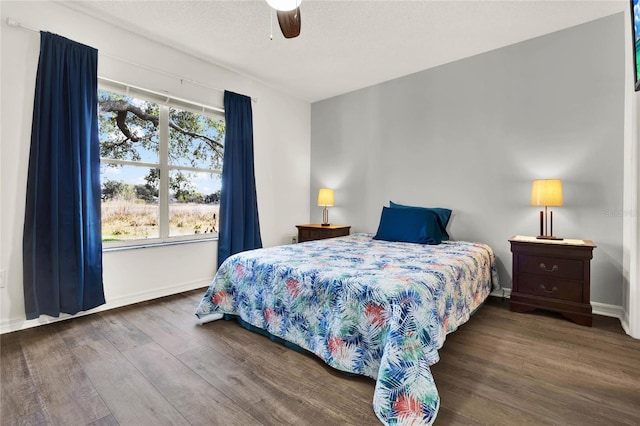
(284, 5)
(325, 197)
(546, 192)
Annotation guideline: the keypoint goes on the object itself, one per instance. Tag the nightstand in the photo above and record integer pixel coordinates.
(553, 275)
(318, 232)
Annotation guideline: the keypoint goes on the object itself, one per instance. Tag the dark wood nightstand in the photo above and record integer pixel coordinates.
(553, 275)
(318, 232)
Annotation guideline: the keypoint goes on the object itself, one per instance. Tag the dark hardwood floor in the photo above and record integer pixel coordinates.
(151, 364)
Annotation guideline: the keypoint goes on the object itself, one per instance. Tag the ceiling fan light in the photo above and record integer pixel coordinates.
(284, 5)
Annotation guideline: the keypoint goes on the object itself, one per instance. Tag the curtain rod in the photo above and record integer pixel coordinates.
(16, 24)
(168, 97)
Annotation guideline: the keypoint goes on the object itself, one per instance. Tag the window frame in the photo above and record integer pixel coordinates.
(165, 102)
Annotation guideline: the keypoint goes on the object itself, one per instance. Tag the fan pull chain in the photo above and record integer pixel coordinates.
(271, 16)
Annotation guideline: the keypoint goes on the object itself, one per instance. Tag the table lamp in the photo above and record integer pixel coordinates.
(547, 193)
(325, 199)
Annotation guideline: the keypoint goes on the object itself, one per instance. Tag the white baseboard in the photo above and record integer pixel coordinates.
(603, 309)
(607, 310)
(15, 324)
(501, 292)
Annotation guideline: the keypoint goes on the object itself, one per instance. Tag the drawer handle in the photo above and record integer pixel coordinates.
(553, 268)
(553, 290)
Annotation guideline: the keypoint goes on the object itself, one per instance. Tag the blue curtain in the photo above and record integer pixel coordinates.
(239, 225)
(62, 245)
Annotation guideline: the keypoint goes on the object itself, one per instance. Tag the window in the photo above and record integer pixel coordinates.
(160, 166)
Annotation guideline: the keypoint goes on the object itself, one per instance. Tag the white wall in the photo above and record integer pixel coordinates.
(472, 135)
(281, 143)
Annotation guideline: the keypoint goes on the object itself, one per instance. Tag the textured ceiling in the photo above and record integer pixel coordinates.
(344, 45)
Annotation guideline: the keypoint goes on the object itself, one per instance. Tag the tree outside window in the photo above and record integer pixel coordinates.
(160, 168)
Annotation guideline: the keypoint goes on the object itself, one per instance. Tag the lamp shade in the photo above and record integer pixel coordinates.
(284, 5)
(546, 192)
(325, 197)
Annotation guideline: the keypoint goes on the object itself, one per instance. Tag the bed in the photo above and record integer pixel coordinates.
(364, 306)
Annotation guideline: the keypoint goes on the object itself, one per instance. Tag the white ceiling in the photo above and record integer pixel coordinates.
(344, 45)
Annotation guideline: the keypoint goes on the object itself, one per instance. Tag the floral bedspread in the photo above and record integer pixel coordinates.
(374, 308)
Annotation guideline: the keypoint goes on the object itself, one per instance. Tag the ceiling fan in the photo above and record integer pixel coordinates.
(289, 18)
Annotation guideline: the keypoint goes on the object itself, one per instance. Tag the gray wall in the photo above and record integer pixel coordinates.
(472, 135)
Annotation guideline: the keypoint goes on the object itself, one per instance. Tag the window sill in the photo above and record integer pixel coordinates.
(157, 244)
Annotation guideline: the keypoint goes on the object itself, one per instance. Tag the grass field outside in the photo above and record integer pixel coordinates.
(124, 220)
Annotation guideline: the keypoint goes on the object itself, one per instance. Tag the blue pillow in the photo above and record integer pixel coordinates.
(443, 214)
(409, 226)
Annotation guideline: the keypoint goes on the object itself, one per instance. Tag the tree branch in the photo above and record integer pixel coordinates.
(122, 107)
(215, 145)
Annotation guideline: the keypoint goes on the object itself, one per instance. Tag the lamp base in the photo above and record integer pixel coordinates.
(549, 237)
(325, 217)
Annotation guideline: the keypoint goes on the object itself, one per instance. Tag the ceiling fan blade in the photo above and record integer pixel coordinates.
(290, 22)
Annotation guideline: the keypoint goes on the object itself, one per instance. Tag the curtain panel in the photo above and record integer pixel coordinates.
(239, 224)
(62, 243)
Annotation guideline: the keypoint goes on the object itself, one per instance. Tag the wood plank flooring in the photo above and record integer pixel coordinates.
(152, 364)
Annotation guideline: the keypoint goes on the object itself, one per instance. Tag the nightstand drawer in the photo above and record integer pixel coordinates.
(556, 289)
(318, 232)
(551, 267)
